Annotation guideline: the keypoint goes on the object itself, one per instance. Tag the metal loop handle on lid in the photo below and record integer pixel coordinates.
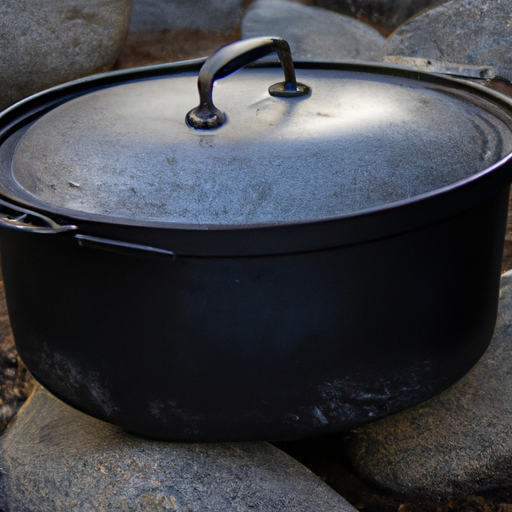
(229, 59)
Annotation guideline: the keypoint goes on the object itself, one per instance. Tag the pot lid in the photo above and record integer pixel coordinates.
(352, 141)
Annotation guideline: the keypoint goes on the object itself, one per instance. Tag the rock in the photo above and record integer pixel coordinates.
(47, 42)
(54, 458)
(455, 444)
(388, 14)
(475, 32)
(313, 33)
(207, 15)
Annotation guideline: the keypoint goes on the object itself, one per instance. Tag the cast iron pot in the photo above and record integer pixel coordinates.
(161, 277)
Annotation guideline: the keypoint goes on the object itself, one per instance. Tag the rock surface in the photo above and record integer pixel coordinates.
(56, 459)
(207, 15)
(47, 42)
(313, 33)
(388, 14)
(476, 32)
(455, 444)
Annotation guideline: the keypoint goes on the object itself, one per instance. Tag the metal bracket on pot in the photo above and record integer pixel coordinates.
(445, 68)
(20, 219)
(229, 59)
(117, 246)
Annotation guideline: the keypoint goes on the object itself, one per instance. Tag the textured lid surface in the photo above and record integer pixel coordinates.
(358, 141)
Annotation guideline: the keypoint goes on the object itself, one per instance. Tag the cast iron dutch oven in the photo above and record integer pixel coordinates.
(293, 261)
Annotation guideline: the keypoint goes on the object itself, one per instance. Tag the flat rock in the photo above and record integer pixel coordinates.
(455, 444)
(54, 458)
(313, 33)
(206, 15)
(388, 14)
(475, 32)
(47, 42)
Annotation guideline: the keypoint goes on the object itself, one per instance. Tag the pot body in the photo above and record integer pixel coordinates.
(257, 347)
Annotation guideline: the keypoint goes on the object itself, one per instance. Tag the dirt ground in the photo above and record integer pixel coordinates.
(145, 48)
(507, 252)
(321, 455)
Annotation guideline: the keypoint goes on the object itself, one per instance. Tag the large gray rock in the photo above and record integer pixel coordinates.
(388, 14)
(476, 32)
(313, 33)
(455, 444)
(56, 459)
(47, 42)
(205, 15)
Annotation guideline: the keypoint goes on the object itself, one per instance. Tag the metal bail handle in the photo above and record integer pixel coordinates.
(229, 59)
(20, 219)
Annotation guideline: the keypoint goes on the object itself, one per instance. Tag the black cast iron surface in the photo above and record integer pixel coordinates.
(274, 347)
(273, 332)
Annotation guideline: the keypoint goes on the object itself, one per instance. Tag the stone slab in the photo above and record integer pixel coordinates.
(47, 42)
(456, 444)
(475, 32)
(207, 15)
(54, 458)
(313, 33)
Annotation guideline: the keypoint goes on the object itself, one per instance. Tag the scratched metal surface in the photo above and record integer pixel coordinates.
(358, 142)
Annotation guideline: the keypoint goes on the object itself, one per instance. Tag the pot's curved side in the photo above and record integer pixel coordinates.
(264, 347)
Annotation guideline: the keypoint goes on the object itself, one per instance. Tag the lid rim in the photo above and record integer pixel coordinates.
(42, 102)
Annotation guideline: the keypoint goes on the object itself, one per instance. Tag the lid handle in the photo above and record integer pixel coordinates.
(229, 59)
